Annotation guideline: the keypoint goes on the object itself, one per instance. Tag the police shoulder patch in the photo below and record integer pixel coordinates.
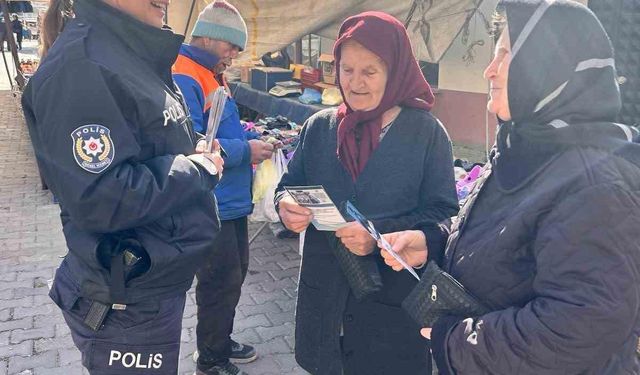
(93, 148)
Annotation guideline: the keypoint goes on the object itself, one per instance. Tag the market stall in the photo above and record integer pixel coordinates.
(269, 105)
(274, 24)
(433, 27)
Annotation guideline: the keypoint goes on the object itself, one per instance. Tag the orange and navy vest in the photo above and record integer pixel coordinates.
(203, 76)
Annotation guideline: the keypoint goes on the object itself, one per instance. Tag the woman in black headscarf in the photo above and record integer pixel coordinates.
(548, 238)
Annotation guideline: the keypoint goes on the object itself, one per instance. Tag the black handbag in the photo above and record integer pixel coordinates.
(278, 59)
(362, 272)
(439, 294)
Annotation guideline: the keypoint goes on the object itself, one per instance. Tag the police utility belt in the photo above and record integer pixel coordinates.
(127, 259)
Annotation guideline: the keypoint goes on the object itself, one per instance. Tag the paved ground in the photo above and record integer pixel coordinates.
(33, 336)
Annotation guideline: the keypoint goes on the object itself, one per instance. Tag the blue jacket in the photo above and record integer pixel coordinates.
(193, 75)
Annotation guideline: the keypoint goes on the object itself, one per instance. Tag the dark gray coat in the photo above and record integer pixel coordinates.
(407, 181)
(558, 259)
(551, 240)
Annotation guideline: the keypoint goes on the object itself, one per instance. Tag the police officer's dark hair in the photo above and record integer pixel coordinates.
(53, 22)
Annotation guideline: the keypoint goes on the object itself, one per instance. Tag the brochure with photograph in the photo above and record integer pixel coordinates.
(368, 225)
(326, 216)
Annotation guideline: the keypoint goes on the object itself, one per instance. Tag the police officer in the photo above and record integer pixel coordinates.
(114, 143)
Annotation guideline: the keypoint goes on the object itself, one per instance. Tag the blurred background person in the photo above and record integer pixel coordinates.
(18, 29)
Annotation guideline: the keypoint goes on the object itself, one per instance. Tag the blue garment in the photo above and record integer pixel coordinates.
(147, 332)
(233, 192)
(192, 90)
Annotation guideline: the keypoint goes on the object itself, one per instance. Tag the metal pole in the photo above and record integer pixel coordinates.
(12, 44)
(186, 28)
(298, 57)
(309, 50)
(6, 65)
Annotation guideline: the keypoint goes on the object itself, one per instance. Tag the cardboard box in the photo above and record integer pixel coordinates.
(321, 86)
(329, 79)
(297, 70)
(244, 69)
(245, 74)
(327, 65)
(264, 78)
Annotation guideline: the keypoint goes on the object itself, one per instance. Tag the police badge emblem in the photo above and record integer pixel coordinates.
(93, 148)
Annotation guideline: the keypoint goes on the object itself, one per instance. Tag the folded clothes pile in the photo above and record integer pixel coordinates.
(278, 122)
(466, 174)
(274, 129)
(466, 164)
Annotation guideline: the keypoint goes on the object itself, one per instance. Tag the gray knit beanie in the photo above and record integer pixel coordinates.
(221, 20)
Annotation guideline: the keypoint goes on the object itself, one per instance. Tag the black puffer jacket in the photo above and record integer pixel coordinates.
(548, 239)
(558, 260)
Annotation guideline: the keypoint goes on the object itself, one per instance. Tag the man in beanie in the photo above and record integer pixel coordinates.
(219, 35)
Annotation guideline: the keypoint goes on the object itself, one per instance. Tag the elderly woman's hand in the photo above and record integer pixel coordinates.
(295, 217)
(355, 238)
(411, 245)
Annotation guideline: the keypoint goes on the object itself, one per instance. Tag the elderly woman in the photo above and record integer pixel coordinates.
(549, 237)
(386, 153)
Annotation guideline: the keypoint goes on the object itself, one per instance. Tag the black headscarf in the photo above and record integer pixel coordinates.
(562, 87)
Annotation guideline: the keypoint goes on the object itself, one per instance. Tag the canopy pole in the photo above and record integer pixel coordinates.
(6, 65)
(12, 45)
(186, 28)
(298, 57)
(412, 10)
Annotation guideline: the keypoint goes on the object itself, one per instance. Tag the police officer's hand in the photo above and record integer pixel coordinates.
(202, 146)
(260, 151)
(356, 239)
(295, 217)
(216, 159)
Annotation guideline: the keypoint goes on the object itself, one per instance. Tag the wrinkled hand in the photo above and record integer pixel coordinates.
(355, 238)
(295, 217)
(411, 245)
(260, 151)
(272, 140)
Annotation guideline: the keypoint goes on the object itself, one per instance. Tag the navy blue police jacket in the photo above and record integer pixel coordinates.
(111, 134)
